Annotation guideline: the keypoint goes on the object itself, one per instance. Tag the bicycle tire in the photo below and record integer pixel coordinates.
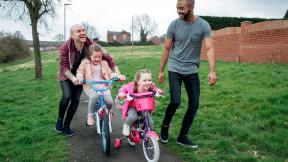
(151, 149)
(105, 134)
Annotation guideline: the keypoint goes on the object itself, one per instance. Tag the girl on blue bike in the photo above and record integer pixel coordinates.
(95, 69)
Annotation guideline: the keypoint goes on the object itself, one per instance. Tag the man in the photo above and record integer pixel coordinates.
(183, 47)
(71, 55)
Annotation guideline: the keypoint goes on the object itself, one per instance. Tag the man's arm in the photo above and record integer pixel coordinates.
(164, 57)
(211, 60)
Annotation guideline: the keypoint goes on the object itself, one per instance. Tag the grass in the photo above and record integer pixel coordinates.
(242, 118)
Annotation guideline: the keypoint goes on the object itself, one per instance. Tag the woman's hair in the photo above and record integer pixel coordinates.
(137, 77)
(93, 48)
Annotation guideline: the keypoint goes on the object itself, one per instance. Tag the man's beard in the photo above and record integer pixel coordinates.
(184, 15)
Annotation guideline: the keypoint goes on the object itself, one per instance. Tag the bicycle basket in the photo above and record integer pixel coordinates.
(143, 104)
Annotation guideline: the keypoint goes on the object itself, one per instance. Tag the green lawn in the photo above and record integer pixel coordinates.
(243, 118)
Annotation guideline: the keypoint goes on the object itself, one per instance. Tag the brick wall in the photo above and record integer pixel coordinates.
(264, 42)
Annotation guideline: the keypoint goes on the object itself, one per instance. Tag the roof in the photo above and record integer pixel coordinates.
(117, 33)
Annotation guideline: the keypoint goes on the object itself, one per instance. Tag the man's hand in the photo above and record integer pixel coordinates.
(212, 78)
(161, 77)
(76, 81)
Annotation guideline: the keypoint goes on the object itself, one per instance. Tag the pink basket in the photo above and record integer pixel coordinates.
(143, 104)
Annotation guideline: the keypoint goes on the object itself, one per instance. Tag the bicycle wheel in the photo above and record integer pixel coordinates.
(151, 149)
(105, 134)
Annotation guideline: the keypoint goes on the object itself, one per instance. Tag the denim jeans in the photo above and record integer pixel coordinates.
(70, 94)
(192, 86)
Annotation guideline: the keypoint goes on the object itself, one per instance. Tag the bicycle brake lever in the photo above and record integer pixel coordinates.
(129, 98)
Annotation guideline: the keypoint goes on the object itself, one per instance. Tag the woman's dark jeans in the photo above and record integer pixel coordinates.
(192, 85)
(70, 94)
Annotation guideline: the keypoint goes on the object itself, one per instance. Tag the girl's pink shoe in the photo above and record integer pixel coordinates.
(90, 119)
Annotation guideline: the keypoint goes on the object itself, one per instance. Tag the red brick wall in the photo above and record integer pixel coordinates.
(264, 42)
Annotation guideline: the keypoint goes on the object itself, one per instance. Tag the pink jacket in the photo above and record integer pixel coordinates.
(129, 89)
(84, 72)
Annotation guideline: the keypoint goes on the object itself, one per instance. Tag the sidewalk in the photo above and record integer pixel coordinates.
(86, 146)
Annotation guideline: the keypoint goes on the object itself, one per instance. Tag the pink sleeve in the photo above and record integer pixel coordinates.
(81, 70)
(153, 86)
(123, 89)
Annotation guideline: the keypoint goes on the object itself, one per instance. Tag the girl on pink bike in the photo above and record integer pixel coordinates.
(142, 83)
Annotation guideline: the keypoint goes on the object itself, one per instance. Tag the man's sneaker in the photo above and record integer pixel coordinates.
(58, 126)
(164, 137)
(126, 129)
(183, 140)
(69, 132)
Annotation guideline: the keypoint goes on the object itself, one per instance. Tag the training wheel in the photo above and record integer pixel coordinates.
(117, 143)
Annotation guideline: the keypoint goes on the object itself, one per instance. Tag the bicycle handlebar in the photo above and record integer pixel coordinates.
(143, 95)
(108, 82)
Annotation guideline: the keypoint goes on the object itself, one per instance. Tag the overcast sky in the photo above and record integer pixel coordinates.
(116, 15)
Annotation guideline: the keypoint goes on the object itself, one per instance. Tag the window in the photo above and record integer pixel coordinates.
(124, 37)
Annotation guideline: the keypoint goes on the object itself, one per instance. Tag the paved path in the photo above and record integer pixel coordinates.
(86, 146)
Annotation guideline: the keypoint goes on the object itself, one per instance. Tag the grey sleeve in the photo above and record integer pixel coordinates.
(170, 30)
(206, 29)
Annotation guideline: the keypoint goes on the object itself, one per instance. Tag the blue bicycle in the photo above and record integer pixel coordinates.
(102, 114)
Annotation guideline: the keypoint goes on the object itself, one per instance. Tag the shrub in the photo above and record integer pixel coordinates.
(12, 48)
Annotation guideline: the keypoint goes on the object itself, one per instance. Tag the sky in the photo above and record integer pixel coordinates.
(116, 15)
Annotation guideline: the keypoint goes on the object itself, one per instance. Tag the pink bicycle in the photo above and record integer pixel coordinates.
(141, 128)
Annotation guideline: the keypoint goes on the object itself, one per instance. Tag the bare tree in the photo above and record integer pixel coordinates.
(19, 35)
(58, 37)
(90, 30)
(144, 25)
(31, 12)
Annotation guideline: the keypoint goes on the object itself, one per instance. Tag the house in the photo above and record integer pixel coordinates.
(120, 37)
(157, 40)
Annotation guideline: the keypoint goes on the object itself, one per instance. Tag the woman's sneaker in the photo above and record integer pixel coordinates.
(183, 140)
(126, 129)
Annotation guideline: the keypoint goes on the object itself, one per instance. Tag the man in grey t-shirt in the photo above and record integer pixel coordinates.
(183, 48)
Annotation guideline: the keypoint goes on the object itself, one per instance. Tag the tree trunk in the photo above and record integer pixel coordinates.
(37, 54)
(143, 36)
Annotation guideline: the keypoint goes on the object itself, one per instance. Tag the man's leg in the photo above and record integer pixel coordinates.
(66, 88)
(175, 82)
(192, 85)
(75, 99)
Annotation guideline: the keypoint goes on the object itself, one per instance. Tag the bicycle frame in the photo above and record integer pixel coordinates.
(101, 108)
(141, 130)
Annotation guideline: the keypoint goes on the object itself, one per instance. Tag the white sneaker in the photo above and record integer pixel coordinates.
(126, 129)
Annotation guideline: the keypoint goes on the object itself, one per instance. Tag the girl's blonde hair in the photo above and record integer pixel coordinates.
(94, 48)
(137, 77)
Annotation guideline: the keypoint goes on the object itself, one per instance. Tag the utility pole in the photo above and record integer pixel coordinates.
(65, 4)
(132, 35)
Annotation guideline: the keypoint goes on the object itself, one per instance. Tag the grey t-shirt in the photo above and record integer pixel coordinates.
(184, 57)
